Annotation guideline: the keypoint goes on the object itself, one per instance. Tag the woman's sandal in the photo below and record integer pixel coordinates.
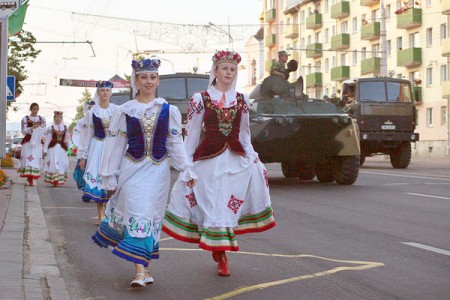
(138, 282)
(149, 278)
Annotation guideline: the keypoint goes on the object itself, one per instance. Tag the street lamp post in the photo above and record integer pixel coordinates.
(171, 63)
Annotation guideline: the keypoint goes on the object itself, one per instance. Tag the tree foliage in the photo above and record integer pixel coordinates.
(21, 50)
(85, 98)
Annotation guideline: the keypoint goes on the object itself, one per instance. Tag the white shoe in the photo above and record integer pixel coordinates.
(149, 278)
(138, 282)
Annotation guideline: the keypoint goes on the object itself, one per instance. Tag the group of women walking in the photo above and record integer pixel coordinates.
(126, 152)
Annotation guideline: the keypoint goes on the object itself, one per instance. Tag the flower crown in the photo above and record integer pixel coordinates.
(104, 84)
(231, 57)
(58, 113)
(146, 65)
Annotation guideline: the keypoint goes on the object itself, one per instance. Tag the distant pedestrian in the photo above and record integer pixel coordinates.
(56, 161)
(232, 193)
(135, 168)
(92, 141)
(33, 129)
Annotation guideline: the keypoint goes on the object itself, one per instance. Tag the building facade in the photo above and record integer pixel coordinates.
(336, 40)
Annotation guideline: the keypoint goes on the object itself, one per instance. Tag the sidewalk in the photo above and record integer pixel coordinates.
(28, 267)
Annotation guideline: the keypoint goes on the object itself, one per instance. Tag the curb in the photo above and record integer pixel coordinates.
(29, 269)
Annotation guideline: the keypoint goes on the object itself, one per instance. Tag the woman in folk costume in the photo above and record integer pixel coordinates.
(76, 136)
(232, 193)
(33, 129)
(136, 170)
(92, 141)
(56, 162)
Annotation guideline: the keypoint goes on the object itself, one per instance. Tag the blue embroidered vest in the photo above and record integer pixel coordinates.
(99, 130)
(138, 147)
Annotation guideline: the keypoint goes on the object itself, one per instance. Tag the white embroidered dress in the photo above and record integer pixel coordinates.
(56, 163)
(31, 154)
(230, 186)
(91, 148)
(142, 187)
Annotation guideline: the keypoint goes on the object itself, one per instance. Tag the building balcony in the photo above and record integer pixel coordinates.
(340, 41)
(446, 47)
(417, 94)
(314, 50)
(270, 40)
(268, 64)
(314, 21)
(446, 89)
(371, 31)
(340, 10)
(314, 79)
(411, 57)
(445, 7)
(410, 18)
(291, 31)
(271, 15)
(340, 73)
(371, 66)
(368, 2)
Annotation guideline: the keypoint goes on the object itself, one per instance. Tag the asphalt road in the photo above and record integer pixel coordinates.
(385, 237)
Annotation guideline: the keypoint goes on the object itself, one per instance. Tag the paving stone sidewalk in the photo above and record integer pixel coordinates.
(28, 267)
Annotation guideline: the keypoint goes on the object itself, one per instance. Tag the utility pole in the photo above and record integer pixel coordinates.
(383, 61)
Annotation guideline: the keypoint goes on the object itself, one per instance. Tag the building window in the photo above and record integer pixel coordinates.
(387, 11)
(309, 40)
(344, 59)
(444, 115)
(443, 31)
(318, 66)
(355, 57)
(333, 62)
(327, 35)
(429, 3)
(429, 76)
(375, 15)
(444, 73)
(355, 24)
(399, 43)
(414, 40)
(388, 48)
(327, 65)
(317, 37)
(326, 5)
(363, 53)
(344, 27)
(376, 50)
(430, 117)
(333, 30)
(429, 37)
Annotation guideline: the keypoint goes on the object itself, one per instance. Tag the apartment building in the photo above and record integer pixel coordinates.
(336, 40)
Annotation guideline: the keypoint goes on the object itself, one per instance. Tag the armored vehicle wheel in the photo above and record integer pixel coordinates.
(347, 169)
(362, 159)
(290, 170)
(325, 169)
(306, 172)
(401, 157)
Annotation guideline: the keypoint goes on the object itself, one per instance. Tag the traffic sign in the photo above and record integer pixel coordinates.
(10, 88)
(8, 7)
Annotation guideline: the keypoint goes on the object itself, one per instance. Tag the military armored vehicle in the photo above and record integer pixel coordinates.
(309, 137)
(386, 116)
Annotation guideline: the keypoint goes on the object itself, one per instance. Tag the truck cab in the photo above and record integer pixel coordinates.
(386, 116)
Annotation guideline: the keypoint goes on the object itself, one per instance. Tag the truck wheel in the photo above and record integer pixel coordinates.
(362, 159)
(401, 157)
(324, 170)
(306, 172)
(290, 170)
(347, 169)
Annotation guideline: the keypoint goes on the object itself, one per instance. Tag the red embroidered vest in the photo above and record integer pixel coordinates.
(30, 123)
(58, 137)
(221, 129)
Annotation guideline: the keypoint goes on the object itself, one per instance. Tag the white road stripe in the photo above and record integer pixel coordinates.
(429, 177)
(429, 248)
(428, 196)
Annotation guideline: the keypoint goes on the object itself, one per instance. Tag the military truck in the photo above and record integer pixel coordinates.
(386, 116)
(309, 137)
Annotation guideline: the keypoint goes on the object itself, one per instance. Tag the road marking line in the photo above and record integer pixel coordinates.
(429, 248)
(406, 175)
(428, 196)
(66, 207)
(361, 265)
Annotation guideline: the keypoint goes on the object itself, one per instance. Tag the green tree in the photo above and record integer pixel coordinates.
(21, 51)
(85, 98)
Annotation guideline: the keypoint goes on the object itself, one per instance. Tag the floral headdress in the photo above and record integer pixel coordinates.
(230, 57)
(146, 65)
(104, 84)
(58, 113)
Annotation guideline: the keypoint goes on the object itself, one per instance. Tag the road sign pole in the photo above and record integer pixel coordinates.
(3, 75)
